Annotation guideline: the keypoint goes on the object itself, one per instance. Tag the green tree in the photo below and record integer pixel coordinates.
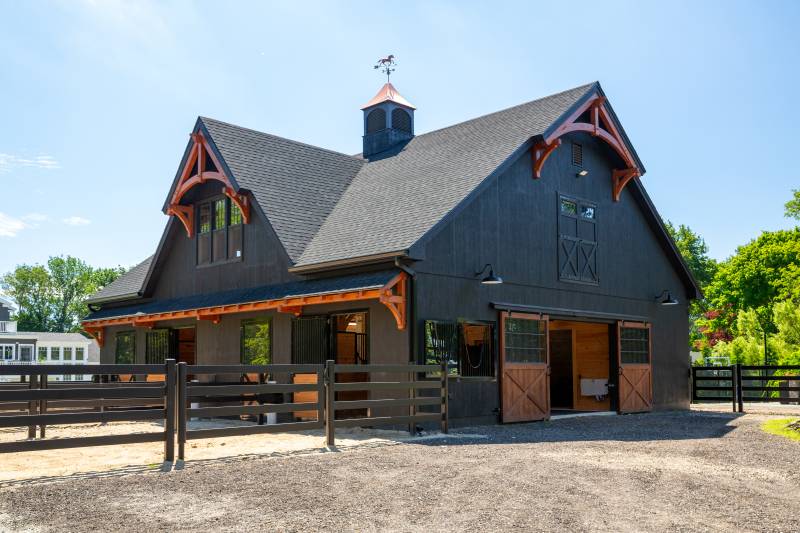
(694, 251)
(52, 297)
(760, 274)
(792, 207)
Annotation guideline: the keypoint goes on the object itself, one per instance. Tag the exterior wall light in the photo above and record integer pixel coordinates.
(665, 298)
(491, 278)
(582, 173)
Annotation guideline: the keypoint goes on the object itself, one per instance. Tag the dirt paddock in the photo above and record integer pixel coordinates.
(676, 471)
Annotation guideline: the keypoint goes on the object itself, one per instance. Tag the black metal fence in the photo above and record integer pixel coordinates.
(117, 393)
(741, 384)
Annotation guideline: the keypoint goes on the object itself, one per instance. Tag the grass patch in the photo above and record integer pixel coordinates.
(778, 426)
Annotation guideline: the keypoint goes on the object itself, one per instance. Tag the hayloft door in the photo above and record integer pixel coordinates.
(635, 367)
(524, 367)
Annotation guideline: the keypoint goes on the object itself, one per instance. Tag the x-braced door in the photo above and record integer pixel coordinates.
(635, 367)
(525, 367)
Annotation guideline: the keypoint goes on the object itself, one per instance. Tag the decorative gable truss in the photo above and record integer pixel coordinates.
(201, 166)
(594, 118)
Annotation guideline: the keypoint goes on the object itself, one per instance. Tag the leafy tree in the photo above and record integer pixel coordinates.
(792, 207)
(761, 273)
(51, 297)
(694, 251)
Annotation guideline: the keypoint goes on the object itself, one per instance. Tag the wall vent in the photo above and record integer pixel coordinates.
(577, 154)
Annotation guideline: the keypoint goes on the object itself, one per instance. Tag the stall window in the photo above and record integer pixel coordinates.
(125, 353)
(468, 347)
(634, 344)
(256, 342)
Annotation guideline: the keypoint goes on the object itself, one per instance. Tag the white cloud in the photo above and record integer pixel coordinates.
(76, 221)
(9, 162)
(10, 226)
(32, 220)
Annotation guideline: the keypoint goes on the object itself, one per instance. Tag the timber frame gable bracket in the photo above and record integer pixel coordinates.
(601, 125)
(195, 172)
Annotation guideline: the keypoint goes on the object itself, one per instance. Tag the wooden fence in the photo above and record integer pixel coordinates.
(106, 399)
(176, 393)
(745, 383)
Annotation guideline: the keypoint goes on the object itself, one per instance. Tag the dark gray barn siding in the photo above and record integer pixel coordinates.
(264, 260)
(512, 224)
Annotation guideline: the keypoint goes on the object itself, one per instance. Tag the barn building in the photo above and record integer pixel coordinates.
(520, 247)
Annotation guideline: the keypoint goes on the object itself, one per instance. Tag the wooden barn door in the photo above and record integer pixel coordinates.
(524, 367)
(635, 367)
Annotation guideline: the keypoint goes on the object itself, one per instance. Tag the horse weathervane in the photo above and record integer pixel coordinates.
(386, 65)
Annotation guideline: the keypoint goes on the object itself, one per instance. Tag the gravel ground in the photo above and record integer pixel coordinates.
(680, 471)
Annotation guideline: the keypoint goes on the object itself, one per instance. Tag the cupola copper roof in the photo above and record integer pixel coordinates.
(388, 94)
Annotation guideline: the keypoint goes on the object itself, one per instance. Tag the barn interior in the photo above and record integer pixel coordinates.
(580, 365)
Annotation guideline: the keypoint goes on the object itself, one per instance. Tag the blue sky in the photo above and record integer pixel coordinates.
(98, 98)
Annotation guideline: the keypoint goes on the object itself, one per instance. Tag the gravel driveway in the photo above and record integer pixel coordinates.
(679, 471)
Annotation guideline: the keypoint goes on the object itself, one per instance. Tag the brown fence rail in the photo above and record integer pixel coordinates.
(104, 399)
(739, 384)
(209, 385)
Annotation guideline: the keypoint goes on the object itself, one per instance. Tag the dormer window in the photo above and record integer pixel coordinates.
(219, 232)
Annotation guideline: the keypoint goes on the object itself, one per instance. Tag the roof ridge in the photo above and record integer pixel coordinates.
(272, 135)
(505, 109)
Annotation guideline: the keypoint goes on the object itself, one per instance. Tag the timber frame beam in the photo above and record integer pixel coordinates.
(393, 295)
(197, 163)
(600, 125)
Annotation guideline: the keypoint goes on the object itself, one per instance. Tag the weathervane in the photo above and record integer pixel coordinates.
(386, 65)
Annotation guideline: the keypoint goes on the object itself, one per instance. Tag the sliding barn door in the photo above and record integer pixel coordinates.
(525, 369)
(634, 350)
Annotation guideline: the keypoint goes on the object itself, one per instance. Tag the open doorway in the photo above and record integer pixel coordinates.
(580, 361)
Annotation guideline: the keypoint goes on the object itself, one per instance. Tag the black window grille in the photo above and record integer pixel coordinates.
(158, 346)
(525, 340)
(467, 347)
(310, 340)
(634, 346)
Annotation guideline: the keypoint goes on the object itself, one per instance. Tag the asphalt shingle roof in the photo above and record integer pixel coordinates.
(296, 185)
(394, 201)
(128, 284)
(364, 281)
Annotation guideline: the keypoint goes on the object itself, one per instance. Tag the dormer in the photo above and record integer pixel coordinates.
(388, 121)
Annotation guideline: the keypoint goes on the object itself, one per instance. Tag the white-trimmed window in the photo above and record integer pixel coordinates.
(7, 352)
(42, 353)
(26, 353)
(79, 353)
(66, 352)
(55, 353)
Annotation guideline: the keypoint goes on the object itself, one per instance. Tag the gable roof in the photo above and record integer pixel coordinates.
(393, 202)
(295, 185)
(128, 285)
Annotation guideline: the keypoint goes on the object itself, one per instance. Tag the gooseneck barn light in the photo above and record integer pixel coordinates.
(491, 278)
(665, 298)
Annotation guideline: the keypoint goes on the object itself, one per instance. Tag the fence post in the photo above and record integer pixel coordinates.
(412, 409)
(739, 392)
(692, 383)
(734, 388)
(181, 408)
(444, 409)
(42, 403)
(32, 405)
(169, 411)
(330, 399)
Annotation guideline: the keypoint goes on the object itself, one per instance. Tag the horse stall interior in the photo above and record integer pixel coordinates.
(580, 362)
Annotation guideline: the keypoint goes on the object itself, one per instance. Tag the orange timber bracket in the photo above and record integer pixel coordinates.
(601, 126)
(187, 180)
(393, 295)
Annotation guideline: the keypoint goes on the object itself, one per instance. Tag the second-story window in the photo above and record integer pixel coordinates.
(219, 232)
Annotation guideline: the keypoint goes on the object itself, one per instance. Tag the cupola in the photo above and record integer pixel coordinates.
(388, 117)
